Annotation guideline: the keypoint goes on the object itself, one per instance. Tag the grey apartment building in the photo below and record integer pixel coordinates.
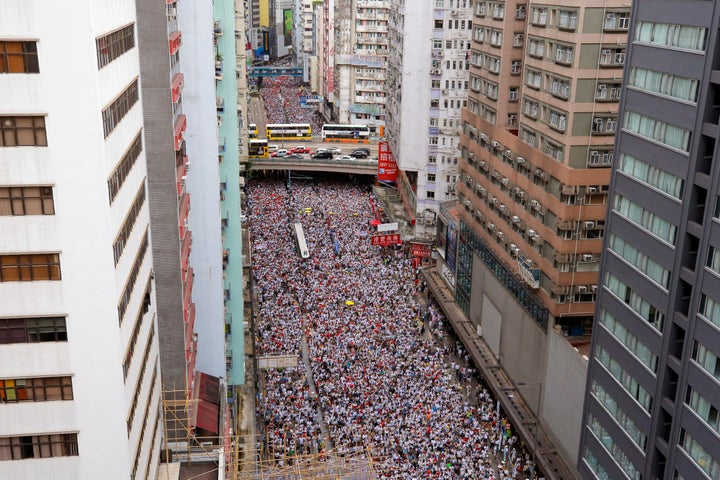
(653, 388)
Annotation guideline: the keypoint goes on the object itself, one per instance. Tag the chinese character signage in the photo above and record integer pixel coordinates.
(387, 168)
(386, 240)
(420, 250)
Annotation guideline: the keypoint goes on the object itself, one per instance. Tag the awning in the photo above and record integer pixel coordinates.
(207, 416)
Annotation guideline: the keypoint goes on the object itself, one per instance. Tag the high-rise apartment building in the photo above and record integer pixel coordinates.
(360, 60)
(79, 374)
(537, 147)
(427, 76)
(653, 389)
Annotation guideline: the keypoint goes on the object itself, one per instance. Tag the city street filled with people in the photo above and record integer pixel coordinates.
(379, 374)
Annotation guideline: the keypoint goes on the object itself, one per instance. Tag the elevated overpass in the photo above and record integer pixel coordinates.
(359, 166)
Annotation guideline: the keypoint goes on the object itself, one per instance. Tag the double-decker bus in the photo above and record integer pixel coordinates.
(252, 130)
(258, 148)
(300, 241)
(346, 133)
(288, 131)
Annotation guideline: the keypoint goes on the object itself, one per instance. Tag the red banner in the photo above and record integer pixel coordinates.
(420, 250)
(387, 168)
(386, 240)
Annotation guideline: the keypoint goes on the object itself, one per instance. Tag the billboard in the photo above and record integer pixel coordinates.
(387, 168)
(386, 240)
(287, 26)
(451, 247)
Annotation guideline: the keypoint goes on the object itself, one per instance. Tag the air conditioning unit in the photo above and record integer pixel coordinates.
(532, 233)
(592, 190)
(581, 289)
(593, 288)
(484, 136)
(467, 202)
(494, 200)
(500, 235)
(534, 203)
(520, 159)
(514, 249)
(515, 219)
(435, 71)
(506, 181)
(589, 225)
(491, 226)
(495, 144)
(587, 257)
(420, 221)
(508, 153)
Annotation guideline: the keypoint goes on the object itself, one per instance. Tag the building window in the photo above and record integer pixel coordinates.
(496, 38)
(438, 24)
(607, 92)
(533, 78)
(515, 67)
(613, 449)
(710, 309)
(604, 125)
(26, 201)
(637, 304)
(657, 130)
(620, 332)
(564, 54)
(122, 170)
(539, 17)
(651, 175)
(117, 110)
(128, 224)
(567, 20)
(617, 21)
(530, 108)
(624, 378)
(645, 219)
(704, 409)
(559, 87)
(38, 446)
(707, 359)
(622, 418)
(29, 268)
(132, 278)
(557, 120)
(430, 194)
(43, 389)
(665, 84)
(713, 259)
(612, 57)
(22, 131)
(700, 456)
(111, 46)
(639, 260)
(669, 35)
(32, 330)
(595, 466)
(536, 47)
(18, 57)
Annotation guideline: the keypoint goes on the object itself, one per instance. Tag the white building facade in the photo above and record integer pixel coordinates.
(79, 371)
(427, 78)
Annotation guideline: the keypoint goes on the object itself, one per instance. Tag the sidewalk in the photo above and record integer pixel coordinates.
(549, 461)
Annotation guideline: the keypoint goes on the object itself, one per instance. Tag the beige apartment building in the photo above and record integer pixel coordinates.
(538, 139)
(536, 150)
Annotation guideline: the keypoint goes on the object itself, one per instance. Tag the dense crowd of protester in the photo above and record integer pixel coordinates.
(376, 370)
(281, 96)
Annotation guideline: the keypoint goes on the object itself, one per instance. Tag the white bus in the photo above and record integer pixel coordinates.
(346, 133)
(300, 241)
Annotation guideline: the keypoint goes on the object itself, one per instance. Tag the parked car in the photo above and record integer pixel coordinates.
(362, 149)
(300, 149)
(346, 157)
(293, 156)
(322, 155)
(273, 148)
(279, 153)
(358, 154)
(334, 150)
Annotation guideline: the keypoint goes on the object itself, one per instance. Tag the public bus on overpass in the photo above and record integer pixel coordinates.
(346, 133)
(288, 131)
(257, 148)
(253, 130)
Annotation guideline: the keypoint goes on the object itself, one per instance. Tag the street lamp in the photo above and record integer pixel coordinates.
(537, 421)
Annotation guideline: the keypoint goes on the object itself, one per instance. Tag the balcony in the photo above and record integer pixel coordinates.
(179, 131)
(174, 42)
(178, 82)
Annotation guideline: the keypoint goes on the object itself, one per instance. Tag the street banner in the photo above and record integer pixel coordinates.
(420, 250)
(387, 168)
(386, 240)
(386, 227)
